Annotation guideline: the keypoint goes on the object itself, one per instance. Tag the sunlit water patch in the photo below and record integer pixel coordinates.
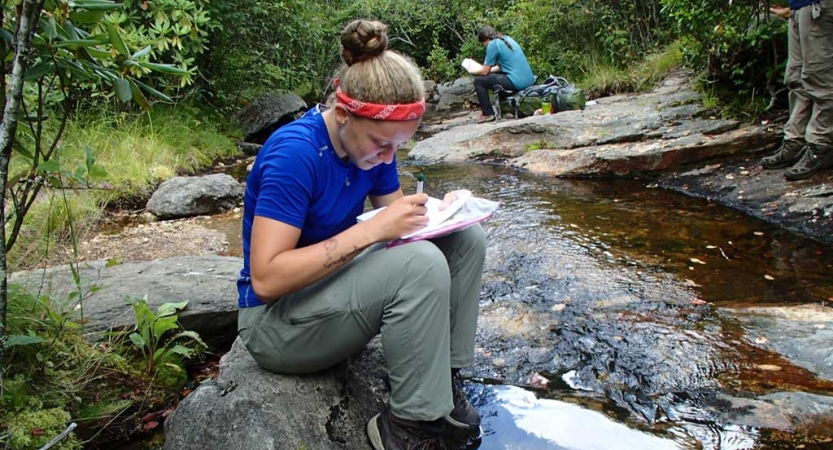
(518, 419)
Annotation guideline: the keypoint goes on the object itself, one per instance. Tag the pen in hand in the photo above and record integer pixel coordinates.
(420, 182)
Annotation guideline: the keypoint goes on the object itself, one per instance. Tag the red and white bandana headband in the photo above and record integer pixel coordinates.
(400, 112)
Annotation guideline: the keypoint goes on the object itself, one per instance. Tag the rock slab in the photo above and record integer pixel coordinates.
(207, 282)
(248, 408)
(619, 136)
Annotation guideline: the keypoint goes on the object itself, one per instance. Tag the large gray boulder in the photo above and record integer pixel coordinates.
(248, 408)
(195, 196)
(265, 114)
(456, 94)
(616, 136)
(207, 282)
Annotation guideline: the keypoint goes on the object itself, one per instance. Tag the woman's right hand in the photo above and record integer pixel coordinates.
(402, 217)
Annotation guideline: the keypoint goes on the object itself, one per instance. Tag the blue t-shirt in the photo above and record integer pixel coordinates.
(798, 4)
(512, 62)
(298, 179)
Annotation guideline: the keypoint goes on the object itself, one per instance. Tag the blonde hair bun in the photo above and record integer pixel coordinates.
(362, 40)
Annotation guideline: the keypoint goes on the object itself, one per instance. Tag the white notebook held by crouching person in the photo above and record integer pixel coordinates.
(464, 212)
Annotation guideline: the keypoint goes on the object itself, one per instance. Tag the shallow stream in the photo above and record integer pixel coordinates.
(602, 320)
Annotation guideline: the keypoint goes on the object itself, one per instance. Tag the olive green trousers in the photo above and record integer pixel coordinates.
(423, 298)
(809, 75)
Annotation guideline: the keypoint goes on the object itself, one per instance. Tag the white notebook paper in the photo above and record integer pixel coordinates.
(465, 211)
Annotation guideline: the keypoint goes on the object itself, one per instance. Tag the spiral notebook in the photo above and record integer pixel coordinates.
(464, 212)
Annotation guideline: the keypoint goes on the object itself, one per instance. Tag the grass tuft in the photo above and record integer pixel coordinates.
(603, 79)
(136, 151)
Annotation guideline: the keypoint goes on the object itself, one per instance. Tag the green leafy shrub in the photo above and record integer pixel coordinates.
(176, 31)
(157, 338)
(570, 38)
(441, 67)
(739, 46)
(55, 375)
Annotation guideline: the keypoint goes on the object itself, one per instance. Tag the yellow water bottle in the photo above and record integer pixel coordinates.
(546, 108)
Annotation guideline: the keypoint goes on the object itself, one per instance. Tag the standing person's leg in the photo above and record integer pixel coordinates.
(402, 292)
(482, 84)
(801, 107)
(815, 28)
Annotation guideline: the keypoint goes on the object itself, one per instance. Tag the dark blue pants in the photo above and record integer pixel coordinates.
(482, 84)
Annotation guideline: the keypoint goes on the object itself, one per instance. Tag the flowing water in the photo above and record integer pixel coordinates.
(575, 294)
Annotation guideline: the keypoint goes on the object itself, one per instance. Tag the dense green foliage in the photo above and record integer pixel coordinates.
(233, 50)
(293, 44)
(739, 46)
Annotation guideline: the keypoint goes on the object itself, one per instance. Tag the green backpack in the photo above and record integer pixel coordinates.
(564, 96)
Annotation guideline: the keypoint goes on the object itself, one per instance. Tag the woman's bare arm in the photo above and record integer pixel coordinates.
(278, 268)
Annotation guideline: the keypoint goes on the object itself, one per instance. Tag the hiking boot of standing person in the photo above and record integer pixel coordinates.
(813, 160)
(464, 416)
(788, 153)
(386, 432)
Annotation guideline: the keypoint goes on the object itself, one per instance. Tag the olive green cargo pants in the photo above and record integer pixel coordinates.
(809, 75)
(423, 298)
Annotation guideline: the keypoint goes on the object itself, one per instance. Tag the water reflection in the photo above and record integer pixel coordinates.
(516, 419)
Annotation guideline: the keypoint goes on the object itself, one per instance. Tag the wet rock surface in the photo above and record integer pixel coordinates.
(802, 334)
(803, 206)
(665, 135)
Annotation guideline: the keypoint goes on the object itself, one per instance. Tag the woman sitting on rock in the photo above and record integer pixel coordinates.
(505, 65)
(316, 286)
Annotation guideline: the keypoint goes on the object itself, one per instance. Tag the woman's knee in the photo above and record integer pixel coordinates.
(425, 262)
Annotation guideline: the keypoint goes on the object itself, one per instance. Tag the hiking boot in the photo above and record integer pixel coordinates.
(484, 118)
(386, 432)
(463, 416)
(813, 160)
(787, 154)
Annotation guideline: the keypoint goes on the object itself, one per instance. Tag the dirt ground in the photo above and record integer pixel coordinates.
(144, 239)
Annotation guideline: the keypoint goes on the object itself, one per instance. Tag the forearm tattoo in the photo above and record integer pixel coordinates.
(330, 247)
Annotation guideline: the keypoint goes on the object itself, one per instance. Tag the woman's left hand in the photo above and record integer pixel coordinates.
(452, 196)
